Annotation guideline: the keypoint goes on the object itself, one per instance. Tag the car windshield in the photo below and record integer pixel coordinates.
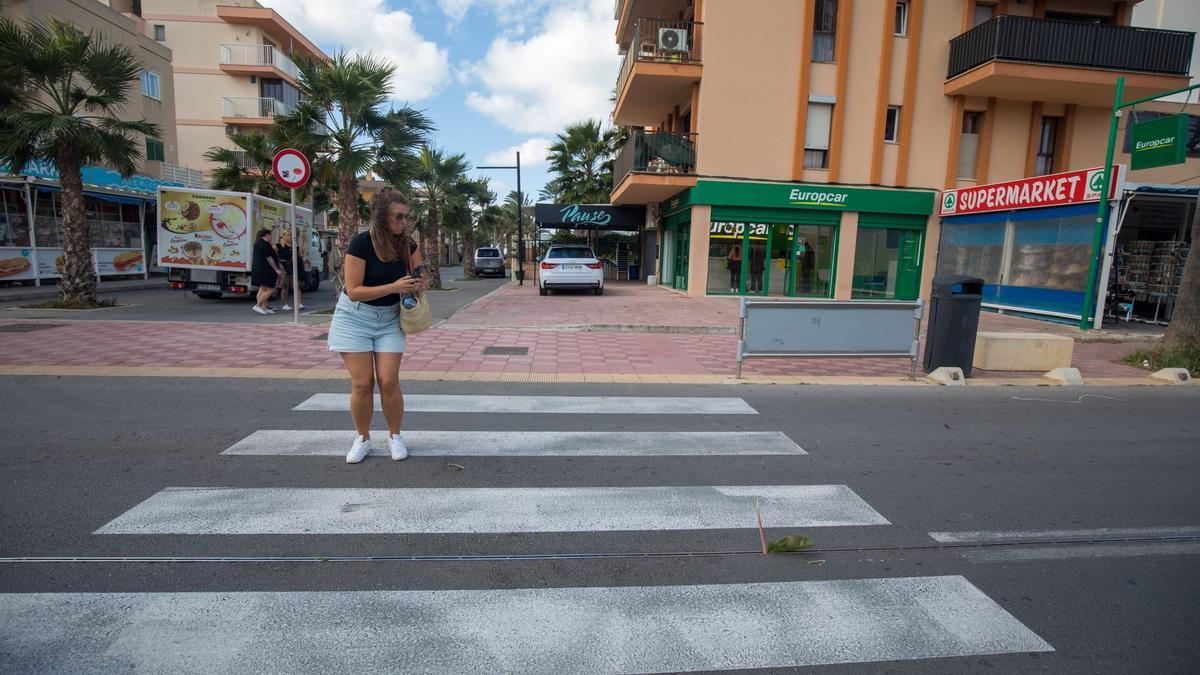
(570, 252)
(487, 253)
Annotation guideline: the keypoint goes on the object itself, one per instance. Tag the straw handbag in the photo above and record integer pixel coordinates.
(418, 318)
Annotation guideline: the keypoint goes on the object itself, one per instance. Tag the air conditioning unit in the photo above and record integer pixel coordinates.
(672, 39)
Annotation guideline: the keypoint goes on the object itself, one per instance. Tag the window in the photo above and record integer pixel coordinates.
(901, 18)
(891, 125)
(150, 85)
(154, 150)
(160, 32)
(968, 144)
(983, 13)
(816, 136)
(824, 30)
(1047, 143)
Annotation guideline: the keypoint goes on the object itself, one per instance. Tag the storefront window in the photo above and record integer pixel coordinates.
(974, 249)
(814, 256)
(887, 264)
(774, 259)
(14, 218)
(111, 224)
(1052, 252)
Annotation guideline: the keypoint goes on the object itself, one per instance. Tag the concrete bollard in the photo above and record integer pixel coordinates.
(1068, 377)
(1173, 376)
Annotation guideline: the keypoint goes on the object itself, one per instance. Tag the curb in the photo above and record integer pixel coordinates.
(46, 292)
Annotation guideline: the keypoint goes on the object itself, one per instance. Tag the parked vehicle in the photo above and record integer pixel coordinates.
(206, 239)
(489, 261)
(570, 266)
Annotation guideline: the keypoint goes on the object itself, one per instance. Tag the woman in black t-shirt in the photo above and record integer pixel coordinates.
(292, 265)
(378, 269)
(264, 271)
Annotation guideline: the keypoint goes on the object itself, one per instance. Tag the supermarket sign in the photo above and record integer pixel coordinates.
(1057, 189)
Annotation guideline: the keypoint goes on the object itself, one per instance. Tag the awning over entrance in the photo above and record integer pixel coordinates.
(590, 217)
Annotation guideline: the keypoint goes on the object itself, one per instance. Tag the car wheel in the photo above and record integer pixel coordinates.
(599, 291)
(206, 295)
(543, 291)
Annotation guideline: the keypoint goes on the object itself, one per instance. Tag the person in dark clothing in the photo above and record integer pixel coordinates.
(265, 271)
(290, 268)
(733, 262)
(758, 252)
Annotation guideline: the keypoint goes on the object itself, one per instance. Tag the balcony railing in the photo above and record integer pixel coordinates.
(1068, 43)
(661, 41)
(254, 107)
(661, 152)
(258, 55)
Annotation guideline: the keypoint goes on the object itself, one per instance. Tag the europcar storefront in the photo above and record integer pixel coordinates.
(794, 240)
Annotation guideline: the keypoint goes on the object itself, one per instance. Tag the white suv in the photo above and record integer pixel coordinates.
(570, 266)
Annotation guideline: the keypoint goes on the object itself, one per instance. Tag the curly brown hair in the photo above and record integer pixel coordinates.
(389, 247)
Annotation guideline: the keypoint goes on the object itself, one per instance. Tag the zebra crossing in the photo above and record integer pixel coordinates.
(587, 628)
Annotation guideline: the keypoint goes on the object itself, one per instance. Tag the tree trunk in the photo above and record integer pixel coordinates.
(1184, 331)
(78, 275)
(347, 200)
(433, 256)
(469, 251)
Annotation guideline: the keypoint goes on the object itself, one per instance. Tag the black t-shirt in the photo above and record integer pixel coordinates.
(261, 271)
(377, 272)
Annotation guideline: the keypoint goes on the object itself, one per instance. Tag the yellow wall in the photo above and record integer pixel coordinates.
(701, 220)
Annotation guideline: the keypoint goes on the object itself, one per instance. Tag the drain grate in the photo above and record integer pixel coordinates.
(506, 351)
(28, 327)
(320, 336)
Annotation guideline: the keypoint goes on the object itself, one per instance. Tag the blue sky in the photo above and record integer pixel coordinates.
(495, 75)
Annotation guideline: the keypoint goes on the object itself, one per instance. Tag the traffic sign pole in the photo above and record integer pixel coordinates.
(292, 169)
(295, 264)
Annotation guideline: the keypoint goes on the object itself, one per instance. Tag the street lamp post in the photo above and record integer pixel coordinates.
(520, 217)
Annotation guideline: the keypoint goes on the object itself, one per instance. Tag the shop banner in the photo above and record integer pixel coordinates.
(49, 262)
(1160, 142)
(203, 229)
(16, 264)
(113, 261)
(590, 217)
(1057, 189)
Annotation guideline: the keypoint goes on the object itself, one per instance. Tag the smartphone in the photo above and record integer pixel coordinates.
(417, 271)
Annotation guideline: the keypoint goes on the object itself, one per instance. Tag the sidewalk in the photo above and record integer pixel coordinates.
(49, 291)
(633, 333)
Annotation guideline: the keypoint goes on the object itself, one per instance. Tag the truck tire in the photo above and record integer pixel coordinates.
(208, 295)
(314, 281)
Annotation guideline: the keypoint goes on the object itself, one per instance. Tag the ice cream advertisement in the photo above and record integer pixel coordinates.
(203, 228)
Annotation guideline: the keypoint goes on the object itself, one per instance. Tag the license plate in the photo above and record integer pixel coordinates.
(208, 287)
(572, 267)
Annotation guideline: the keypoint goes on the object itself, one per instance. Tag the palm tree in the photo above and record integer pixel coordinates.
(581, 163)
(248, 168)
(63, 91)
(478, 197)
(341, 125)
(510, 217)
(434, 184)
(1183, 335)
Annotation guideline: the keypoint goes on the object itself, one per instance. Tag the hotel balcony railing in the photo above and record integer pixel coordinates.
(254, 107)
(258, 55)
(663, 152)
(1069, 43)
(661, 41)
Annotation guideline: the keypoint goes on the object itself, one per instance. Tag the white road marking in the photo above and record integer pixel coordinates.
(1130, 549)
(996, 536)
(491, 510)
(526, 443)
(624, 405)
(538, 630)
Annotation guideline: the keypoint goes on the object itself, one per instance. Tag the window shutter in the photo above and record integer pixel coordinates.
(816, 136)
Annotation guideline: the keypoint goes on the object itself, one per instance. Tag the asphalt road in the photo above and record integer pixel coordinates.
(1097, 496)
(164, 304)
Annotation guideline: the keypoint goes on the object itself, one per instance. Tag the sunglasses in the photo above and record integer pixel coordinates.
(398, 216)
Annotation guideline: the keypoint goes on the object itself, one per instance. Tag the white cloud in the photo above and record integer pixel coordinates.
(562, 74)
(369, 26)
(533, 154)
(513, 15)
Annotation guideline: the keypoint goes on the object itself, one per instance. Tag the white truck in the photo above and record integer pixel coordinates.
(206, 239)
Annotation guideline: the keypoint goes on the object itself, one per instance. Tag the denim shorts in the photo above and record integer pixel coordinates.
(359, 327)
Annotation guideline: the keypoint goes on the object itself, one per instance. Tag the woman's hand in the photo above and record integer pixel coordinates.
(406, 285)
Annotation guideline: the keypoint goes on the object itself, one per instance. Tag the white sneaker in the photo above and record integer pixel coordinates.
(396, 445)
(270, 310)
(302, 307)
(360, 449)
(260, 310)
(287, 308)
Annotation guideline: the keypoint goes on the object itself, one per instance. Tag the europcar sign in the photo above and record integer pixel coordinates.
(1159, 142)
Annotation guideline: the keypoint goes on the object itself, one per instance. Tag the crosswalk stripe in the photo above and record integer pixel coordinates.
(488, 510)
(534, 630)
(999, 536)
(526, 443)
(613, 405)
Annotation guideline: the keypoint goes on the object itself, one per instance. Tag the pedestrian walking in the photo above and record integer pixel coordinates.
(381, 264)
(733, 263)
(290, 261)
(265, 271)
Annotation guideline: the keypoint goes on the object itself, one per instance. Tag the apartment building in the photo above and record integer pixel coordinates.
(802, 148)
(232, 67)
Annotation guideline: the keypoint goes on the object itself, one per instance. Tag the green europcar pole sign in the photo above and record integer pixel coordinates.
(1159, 142)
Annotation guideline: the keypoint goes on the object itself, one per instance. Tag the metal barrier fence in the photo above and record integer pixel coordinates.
(829, 328)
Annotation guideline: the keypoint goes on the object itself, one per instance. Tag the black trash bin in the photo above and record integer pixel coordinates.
(953, 322)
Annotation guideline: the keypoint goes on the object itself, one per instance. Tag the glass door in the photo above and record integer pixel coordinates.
(908, 278)
(681, 256)
(781, 259)
(887, 264)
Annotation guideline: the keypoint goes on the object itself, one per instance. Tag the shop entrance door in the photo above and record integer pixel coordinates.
(887, 263)
(908, 277)
(681, 256)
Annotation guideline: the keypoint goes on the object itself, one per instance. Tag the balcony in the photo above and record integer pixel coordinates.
(1027, 59)
(261, 60)
(252, 111)
(661, 65)
(652, 166)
